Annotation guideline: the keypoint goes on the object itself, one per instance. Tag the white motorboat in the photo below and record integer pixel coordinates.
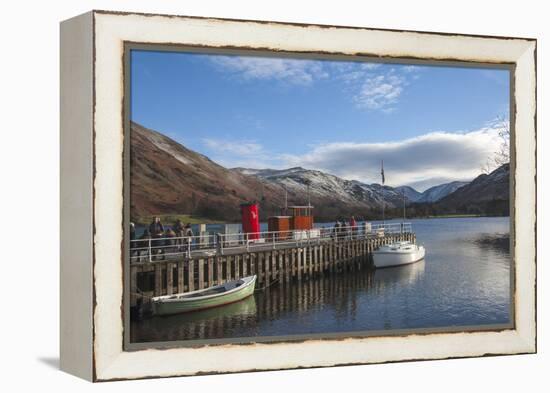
(397, 254)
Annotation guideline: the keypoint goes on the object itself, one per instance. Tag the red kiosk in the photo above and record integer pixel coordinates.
(251, 220)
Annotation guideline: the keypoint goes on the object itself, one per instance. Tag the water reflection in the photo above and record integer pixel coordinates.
(404, 275)
(210, 323)
(338, 297)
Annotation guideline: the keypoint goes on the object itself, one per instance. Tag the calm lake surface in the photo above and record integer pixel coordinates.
(464, 280)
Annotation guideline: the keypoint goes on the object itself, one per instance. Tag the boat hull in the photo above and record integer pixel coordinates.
(383, 259)
(202, 303)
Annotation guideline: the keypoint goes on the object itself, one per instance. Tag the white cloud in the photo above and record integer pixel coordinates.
(410, 68)
(371, 86)
(380, 92)
(240, 153)
(233, 147)
(422, 161)
(376, 89)
(294, 71)
(370, 66)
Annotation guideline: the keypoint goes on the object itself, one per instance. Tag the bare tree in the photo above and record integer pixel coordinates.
(502, 155)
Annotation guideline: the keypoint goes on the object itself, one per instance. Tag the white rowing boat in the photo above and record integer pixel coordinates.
(219, 295)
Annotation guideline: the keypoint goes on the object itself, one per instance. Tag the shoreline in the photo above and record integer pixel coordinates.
(194, 220)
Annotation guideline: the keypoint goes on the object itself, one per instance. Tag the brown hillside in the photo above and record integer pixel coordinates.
(167, 178)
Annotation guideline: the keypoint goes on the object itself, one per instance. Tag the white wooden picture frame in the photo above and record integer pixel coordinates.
(92, 194)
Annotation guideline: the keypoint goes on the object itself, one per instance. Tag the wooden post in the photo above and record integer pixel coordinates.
(210, 272)
(274, 264)
(299, 263)
(201, 273)
(237, 266)
(259, 258)
(181, 284)
(324, 253)
(267, 267)
(310, 261)
(288, 264)
(331, 257)
(219, 270)
(191, 275)
(345, 256)
(316, 259)
(253, 265)
(228, 263)
(355, 253)
(244, 268)
(169, 278)
(293, 262)
(305, 262)
(281, 267)
(158, 279)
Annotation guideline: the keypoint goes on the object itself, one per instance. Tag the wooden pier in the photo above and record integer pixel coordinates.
(166, 277)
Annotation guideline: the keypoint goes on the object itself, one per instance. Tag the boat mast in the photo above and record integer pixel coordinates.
(383, 201)
(308, 197)
(286, 201)
(404, 211)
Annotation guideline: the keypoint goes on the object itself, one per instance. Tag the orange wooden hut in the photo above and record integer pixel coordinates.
(302, 217)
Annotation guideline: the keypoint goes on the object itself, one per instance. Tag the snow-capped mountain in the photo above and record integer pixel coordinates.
(323, 185)
(410, 193)
(486, 194)
(436, 193)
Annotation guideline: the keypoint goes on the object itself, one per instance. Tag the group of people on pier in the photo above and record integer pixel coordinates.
(158, 239)
(161, 238)
(343, 229)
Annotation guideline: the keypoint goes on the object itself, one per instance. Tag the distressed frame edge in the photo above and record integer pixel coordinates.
(525, 178)
(295, 339)
(527, 340)
(76, 196)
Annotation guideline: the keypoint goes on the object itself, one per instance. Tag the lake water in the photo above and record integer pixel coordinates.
(463, 281)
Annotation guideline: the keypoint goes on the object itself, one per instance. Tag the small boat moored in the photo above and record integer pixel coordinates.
(219, 295)
(397, 254)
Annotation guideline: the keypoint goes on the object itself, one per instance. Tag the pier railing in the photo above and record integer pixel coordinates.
(160, 248)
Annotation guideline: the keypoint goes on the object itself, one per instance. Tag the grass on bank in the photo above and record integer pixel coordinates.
(454, 216)
(172, 218)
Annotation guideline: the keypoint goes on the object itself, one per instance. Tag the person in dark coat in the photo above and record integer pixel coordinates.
(336, 229)
(156, 228)
(188, 235)
(179, 230)
(169, 242)
(157, 232)
(353, 226)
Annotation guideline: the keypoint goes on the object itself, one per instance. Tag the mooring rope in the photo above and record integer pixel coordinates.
(267, 286)
(140, 293)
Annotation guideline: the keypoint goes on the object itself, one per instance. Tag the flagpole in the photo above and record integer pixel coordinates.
(383, 199)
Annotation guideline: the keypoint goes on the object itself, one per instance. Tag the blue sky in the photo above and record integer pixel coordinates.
(429, 124)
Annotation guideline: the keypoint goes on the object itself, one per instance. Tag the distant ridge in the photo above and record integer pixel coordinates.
(487, 194)
(434, 194)
(168, 178)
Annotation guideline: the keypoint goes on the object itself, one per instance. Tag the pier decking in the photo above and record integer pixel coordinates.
(270, 261)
